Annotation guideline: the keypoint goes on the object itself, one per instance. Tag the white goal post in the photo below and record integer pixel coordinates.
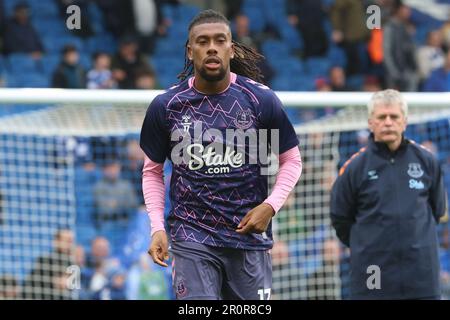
(138, 97)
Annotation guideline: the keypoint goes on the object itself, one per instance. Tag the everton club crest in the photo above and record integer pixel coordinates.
(243, 119)
(414, 170)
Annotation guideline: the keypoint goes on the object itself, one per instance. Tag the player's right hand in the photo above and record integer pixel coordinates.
(159, 248)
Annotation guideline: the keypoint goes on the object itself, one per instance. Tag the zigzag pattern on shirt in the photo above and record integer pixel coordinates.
(211, 116)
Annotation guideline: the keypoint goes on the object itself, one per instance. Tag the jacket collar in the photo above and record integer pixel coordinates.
(382, 148)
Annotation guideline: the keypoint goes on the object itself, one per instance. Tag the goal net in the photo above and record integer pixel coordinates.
(72, 220)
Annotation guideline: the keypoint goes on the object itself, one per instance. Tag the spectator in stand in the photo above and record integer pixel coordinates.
(148, 281)
(444, 255)
(69, 74)
(132, 170)
(86, 273)
(430, 56)
(118, 16)
(338, 80)
(100, 252)
(445, 29)
(308, 17)
(146, 80)
(101, 76)
(20, 35)
(242, 31)
(2, 23)
(323, 284)
(439, 80)
(114, 197)
(9, 287)
(149, 23)
(48, 279)
(98, 263)
(242, 35)
(127, 63)
(399, 51)
(114, 288)
(350, 31)
(371, 84)
(322, 84)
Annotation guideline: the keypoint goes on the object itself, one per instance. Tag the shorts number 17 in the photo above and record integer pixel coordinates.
(264, 292)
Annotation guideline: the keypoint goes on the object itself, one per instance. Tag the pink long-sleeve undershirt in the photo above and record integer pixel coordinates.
(289, 171)
(154, 193)
(290, 168)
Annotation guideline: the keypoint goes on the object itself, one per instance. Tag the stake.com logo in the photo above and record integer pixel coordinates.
(224, 152)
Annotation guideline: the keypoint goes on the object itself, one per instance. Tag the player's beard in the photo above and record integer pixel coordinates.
(212, 77)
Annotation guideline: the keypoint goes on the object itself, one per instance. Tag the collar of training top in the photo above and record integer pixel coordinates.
(382, 148)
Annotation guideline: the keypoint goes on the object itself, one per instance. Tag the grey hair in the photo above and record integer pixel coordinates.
(388, 97)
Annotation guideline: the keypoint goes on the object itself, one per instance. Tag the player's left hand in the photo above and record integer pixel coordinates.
(256, 220)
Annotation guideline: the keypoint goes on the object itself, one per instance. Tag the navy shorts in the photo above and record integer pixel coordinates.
(209, 273)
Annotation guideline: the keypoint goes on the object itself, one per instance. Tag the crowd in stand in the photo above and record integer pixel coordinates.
(397, 55)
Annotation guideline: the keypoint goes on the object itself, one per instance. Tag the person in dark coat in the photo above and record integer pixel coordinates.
(308, 16)
(128, 63)
(386, 204)
(20, 35)
(49, 278)
(69, 74)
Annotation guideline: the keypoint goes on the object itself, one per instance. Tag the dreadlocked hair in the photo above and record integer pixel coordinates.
(245, 61)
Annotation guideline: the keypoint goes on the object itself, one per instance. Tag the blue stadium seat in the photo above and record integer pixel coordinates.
(419, 18)
(85, 210)
(116, 233)
(290, 66)
(86, 61)
(84, 234)
(294, 82)
(177, 32)
(21, 63)
(54, 27)
(49, 62)
(168, 12)
(167, 69)
(291, 36)
(96, 18)
(275, 49)
(101, 42)
(327, 3)
(185, 13)
(44, 9)
(303, 82)
(137, 239)
(55, 45)
(317, 66)
(355, 82)
(255, 13)
(328, 27)
(168, 47)
(337, 56)
(280, 83)
(420, 36)
(180, 16)
(30, 80)
(274, 12)
(9, 6)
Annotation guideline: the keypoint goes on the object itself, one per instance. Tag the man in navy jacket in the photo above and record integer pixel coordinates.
(385, 206)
